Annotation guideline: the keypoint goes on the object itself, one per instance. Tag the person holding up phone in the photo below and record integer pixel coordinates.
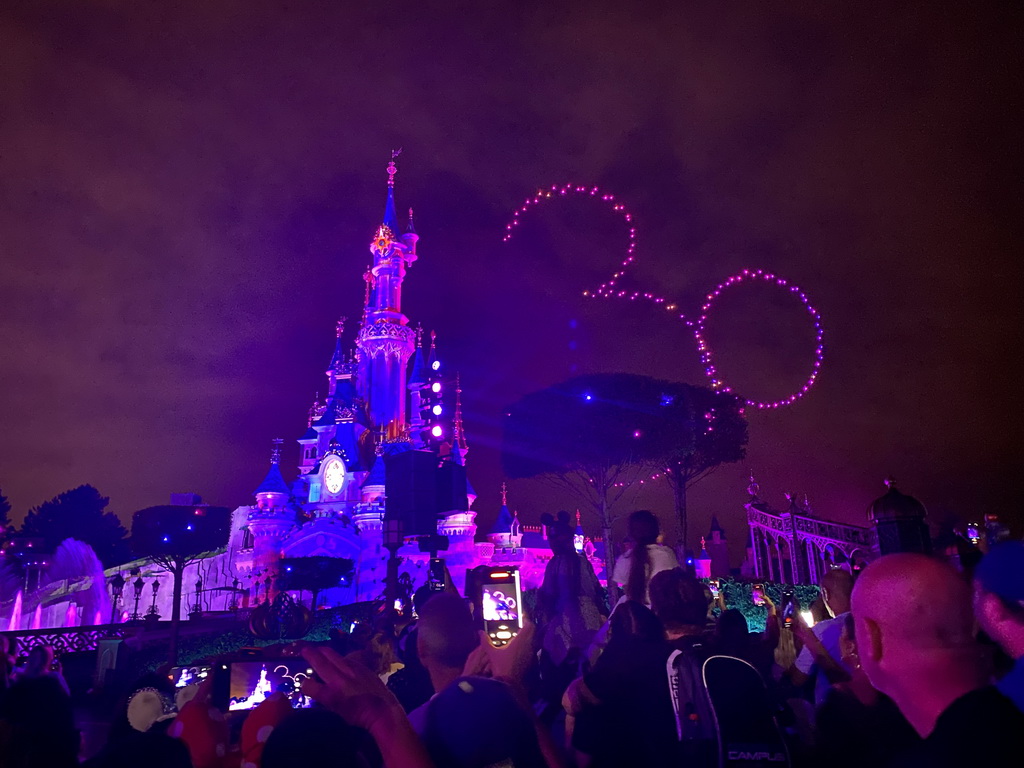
(821, 654)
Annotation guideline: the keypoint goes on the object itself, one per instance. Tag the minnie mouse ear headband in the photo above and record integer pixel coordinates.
(148, 706)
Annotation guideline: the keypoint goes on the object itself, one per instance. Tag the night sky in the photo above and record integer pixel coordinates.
(188, 192)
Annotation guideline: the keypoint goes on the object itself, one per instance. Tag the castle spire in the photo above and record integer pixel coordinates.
(390, 215)
(338, 359)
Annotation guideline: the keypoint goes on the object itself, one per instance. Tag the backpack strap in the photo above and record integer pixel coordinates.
(674, 692)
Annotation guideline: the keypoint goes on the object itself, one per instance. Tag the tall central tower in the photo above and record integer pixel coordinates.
(385, 340)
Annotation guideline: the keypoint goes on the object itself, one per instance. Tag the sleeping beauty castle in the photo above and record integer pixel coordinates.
(387, 393)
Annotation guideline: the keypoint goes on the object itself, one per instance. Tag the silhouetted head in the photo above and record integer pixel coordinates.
(560, 532)
(732, 626)
(631, 619)
(679, 600)
(836, 588)
(643, 528)
(308, 736)
(445, 633)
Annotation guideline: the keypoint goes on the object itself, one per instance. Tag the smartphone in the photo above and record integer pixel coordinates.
(245, 684)
(757, 594)
(790, 606)
(182, 676)
(715, 588)
(501, 600)
(435, 575)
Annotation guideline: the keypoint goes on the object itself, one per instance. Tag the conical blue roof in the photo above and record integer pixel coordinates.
(273, 482)
(418, 377)
(390, 216)
(503, 524)
(338, 358)
(715, 525)
(309, 434)
(376, 476)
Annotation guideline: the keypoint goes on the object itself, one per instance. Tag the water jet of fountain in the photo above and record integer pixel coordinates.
(37, 617)
(15, 622)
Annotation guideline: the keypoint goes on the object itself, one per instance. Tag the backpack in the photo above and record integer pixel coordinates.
(747, 733)
(696, 728)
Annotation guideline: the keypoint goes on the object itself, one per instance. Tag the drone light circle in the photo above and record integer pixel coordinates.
(609, 289)
(705, 351)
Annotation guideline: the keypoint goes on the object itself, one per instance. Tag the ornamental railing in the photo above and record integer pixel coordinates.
(67, 640)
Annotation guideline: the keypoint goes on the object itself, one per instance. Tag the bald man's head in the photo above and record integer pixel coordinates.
(907, 606)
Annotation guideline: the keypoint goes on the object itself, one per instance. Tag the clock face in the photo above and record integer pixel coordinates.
(334, 475)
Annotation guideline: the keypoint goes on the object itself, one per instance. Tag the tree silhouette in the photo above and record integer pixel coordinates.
(5, 516)
(595, 435)
(79, 514)
(713, 431)
(599, 434)
(175, 536)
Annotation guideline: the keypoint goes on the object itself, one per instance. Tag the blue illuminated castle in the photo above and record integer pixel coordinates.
(386, 393)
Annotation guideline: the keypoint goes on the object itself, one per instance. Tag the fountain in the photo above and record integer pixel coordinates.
(15, 622)
(37, 617)
(77, 564)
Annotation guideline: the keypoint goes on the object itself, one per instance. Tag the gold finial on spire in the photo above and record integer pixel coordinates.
(504, 494)
(275, 452)
(392, 168)
(340, 327)
(419, 336)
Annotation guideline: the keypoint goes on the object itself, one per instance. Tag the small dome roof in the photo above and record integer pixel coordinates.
(893, 505)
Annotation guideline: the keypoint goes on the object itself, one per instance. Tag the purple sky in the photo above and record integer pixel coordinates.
(189, 190)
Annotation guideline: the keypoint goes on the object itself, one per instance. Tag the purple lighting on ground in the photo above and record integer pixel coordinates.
(608, 289)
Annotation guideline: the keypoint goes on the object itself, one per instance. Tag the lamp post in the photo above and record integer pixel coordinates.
(116, 589)
(152, 608)
(137, 585)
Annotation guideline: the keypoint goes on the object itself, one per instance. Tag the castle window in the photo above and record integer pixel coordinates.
(247, 539)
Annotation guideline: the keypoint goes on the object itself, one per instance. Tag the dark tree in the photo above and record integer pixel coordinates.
(5, 516)
(79, 514)
(175, 536)
(596, 435)
(708, 429)
(314, 574)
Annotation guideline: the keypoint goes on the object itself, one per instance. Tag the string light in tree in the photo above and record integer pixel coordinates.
(610, 289)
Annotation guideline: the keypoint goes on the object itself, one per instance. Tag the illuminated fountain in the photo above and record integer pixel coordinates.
(15, 620)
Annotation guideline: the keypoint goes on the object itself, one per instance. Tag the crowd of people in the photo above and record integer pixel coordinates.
(913, 663)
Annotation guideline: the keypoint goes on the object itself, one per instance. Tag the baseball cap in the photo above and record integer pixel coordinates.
(1001, 571)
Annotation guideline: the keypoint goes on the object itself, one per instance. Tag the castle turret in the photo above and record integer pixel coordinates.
(272, 518)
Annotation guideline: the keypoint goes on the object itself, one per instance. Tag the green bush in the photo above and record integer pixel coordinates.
(738, 595)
